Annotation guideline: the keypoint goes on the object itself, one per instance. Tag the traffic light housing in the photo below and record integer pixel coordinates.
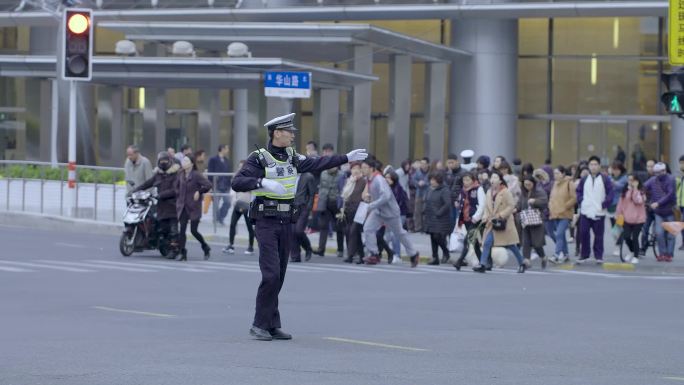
(674, 102)
(78, 45)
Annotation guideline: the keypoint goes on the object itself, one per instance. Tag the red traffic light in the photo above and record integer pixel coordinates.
(78, 23)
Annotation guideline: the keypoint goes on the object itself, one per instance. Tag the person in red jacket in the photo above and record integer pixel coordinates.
(632, 207)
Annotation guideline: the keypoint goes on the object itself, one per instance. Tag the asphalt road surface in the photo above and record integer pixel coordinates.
(74, 311)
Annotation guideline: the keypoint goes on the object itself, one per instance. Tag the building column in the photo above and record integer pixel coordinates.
(110, 125)
(327, 116)
(154, 122)
(483, 114)
(399, 108)
(360, 100)
(276, 107)
(435, 108)
(240, 146)
(209, 120)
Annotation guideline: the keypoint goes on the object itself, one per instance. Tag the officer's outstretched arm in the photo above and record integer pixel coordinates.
(247, 179)
(326, 162)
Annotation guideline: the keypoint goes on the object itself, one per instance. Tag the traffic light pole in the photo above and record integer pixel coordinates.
(72, 149)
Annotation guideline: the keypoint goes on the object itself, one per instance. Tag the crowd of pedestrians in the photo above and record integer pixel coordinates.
(467, 205)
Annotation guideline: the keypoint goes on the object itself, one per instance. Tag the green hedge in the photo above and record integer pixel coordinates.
(84, 175)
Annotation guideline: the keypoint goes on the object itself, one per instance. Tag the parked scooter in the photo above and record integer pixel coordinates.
(141, 230)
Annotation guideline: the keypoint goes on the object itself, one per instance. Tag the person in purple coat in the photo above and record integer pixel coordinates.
(662, 197)
(594, 195)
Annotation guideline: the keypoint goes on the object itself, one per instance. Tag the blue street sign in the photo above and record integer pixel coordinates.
(287, 84)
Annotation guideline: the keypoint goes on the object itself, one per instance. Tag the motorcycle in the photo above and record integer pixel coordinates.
(141, 228)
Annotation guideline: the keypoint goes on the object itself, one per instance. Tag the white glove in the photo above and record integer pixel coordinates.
(356, 155)
(301, 157)
(272, 186)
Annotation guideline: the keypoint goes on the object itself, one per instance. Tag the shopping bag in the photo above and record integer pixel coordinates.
(456, 239)
(674, 228)
(616, 231)
(206, 203)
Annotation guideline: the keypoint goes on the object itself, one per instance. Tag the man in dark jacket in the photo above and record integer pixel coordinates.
(221, 164)
(306, 189)
(454, 182)
(164, 180)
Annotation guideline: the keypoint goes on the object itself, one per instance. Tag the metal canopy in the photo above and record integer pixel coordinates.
(174, 72)
(308, 42)
(364, 12)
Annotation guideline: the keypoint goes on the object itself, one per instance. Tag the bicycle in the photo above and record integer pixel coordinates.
(650, 242)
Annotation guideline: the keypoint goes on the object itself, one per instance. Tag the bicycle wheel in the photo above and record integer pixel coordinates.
(654, 244)
(624, 252)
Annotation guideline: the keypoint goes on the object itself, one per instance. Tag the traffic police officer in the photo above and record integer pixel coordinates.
(271, 174)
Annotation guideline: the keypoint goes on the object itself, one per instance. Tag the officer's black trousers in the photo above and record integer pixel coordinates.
(301, 240)
(274, 237)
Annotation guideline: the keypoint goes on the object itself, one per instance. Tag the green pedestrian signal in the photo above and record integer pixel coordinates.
(674, 105)
(673, 102)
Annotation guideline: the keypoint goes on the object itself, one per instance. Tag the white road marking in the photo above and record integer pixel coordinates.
(72, 245)
(369, 343)
(318, 268)
(43, 266)
(674, 378)
(15, 269)
(161, 315)
(227, 266)
(98, 266)
(151, 265)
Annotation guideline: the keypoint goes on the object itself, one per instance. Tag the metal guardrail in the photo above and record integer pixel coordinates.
(30, 186)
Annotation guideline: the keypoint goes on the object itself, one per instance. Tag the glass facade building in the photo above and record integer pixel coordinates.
(585, 85)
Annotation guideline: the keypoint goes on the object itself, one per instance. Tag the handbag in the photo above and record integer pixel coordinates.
(530, 217)
(620, 220)
(498, 224)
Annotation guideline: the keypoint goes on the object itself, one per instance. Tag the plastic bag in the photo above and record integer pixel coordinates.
(456, 239)
(616, 231)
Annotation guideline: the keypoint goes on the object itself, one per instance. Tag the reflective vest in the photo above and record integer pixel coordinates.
(284, 173)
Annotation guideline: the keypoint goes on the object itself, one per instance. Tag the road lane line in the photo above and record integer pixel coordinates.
(151, 265)
(15, 269)
(99, 266)
(375, 344)
(674, 378)
(227, 267)
(72, 245)
(43, 266)
(161, 315)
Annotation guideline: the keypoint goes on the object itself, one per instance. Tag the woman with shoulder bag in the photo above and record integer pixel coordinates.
(631, 211)
(500, 227)
(352, 197)
(438, 216)
(190, 186)
(531, 205)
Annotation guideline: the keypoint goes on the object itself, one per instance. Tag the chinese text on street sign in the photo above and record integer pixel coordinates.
(676, 35)
(288, 84)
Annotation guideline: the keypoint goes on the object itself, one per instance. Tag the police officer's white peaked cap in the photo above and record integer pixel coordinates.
(284, 122)
(467, 154)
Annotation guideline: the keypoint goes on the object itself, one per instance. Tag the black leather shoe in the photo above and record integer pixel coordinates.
(278, 334)
(480, 269)
(415, 259)
(360, 261)
(488, 267)
(348, 260)
(434, 262)
(183, 256)
(260, 334)
(445, 259)
(307, 257)
(522, 268)
(320, 253)
(207, 252)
